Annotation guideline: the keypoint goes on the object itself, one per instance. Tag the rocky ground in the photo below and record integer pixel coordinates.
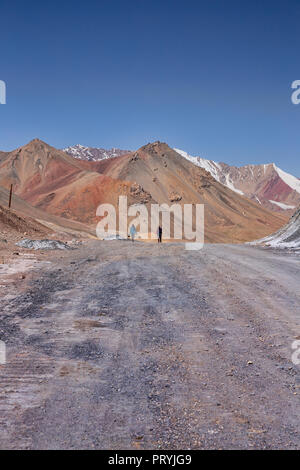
(140, 346)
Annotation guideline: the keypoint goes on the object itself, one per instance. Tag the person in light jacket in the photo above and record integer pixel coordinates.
(132, 232)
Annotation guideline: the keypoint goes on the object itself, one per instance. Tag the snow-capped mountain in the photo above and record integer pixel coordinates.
(266, 184)
(92, 153)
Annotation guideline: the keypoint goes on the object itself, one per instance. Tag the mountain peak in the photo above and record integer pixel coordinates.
(35, 143)
(93, 153)
(156, 148)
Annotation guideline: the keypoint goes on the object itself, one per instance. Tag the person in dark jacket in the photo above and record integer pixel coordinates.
(159, 234)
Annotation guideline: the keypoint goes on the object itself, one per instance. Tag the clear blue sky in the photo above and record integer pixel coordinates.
(212, 78)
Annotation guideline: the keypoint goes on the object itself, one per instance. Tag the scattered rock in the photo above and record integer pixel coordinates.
(137, 191)
(43, 244)
(173, 196)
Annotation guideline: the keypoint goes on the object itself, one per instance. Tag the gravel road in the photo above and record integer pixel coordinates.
(116, 345)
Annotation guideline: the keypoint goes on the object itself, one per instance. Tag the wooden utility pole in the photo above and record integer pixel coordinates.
(10, 196)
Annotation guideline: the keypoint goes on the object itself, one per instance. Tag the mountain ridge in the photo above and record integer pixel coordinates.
(267, 184)
(270, 186)
(55, 182)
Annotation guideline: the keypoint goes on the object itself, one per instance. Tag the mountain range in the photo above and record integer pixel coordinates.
(265, 184)
(60, 185)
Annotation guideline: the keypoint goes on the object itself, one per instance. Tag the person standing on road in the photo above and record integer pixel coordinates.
(132, 232)
(159, 234)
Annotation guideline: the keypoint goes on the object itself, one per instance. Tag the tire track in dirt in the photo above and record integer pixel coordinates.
(139, 346)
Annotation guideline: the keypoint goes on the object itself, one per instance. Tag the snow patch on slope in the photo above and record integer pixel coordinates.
(212, 167)
(287, 237)
(209, 165)
(77, 151)
(290, 180)
(229, 184)
(282, 205)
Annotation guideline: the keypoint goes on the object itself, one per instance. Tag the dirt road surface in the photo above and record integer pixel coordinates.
(116, 345)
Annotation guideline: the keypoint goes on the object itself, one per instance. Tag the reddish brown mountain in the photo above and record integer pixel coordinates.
(53, 181)
(61, 185)
(168, 177)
